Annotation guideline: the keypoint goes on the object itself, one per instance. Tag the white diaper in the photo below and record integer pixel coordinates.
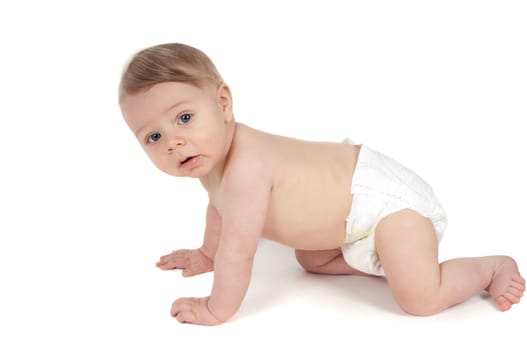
(380, 187)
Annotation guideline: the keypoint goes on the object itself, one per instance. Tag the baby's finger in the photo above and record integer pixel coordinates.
(175, 253)
(189, 272)
(163, 257)
(181, 306)
(177, 260)
(163, 266)
(168, 266)
(186, 317)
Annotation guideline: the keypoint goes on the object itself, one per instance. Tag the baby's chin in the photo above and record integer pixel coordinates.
(198, 168)
(193, 173)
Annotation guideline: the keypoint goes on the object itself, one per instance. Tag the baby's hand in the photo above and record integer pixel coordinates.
(193, 310)
(192, 262)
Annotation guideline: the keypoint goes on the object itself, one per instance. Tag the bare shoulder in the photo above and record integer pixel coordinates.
(272, 157)
(249, 165)
(245, 187)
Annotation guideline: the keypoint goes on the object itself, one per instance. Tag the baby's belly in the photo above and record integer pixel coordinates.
(311, 221)
(305, 235)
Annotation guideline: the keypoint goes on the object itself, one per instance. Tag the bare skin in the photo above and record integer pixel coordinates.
(293, 192)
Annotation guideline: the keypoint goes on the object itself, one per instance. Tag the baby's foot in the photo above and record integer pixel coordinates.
(507, 285)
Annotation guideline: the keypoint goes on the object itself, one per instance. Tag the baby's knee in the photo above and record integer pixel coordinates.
(420, 305)
(305, 259)
(312, 261)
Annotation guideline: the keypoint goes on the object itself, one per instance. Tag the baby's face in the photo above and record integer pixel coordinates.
(181, 127)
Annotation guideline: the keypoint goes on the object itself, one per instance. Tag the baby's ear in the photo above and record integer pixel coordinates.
(225, 101)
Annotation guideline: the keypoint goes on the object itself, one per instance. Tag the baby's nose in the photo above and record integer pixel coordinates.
(175, 143)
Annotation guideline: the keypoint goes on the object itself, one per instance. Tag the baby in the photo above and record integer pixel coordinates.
(345, 208)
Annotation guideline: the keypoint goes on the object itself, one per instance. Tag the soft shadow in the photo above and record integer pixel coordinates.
(370, 290)
(277, 278)
(274, 277)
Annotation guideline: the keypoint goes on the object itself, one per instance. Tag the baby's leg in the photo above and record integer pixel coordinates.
(407, 247)
(327, 262)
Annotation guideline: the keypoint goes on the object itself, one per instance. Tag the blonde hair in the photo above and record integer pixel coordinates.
(165, 63)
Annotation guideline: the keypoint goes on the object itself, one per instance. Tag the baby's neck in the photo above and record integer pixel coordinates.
(214, 177)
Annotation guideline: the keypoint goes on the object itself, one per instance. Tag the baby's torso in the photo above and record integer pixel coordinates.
(310, 196)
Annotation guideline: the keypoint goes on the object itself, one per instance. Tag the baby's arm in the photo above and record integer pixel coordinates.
(212, 233)
(201, 260)
(246, 200)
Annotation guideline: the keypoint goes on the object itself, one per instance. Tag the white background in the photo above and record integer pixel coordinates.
(440, 86)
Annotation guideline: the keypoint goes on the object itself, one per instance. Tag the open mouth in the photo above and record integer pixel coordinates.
(187, 160)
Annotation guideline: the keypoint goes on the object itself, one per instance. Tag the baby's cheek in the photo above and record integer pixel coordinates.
(161, 164)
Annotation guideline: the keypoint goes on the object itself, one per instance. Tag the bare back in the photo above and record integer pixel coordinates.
(311, 181)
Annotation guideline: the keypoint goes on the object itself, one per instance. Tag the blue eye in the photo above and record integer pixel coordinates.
(153, 138)
(184, 119)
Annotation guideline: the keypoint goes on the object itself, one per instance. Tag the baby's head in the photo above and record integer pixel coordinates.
(168, 63)
(177, 105)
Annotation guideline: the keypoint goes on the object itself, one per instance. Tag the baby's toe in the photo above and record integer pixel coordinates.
(503, 303)
(512, 298)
